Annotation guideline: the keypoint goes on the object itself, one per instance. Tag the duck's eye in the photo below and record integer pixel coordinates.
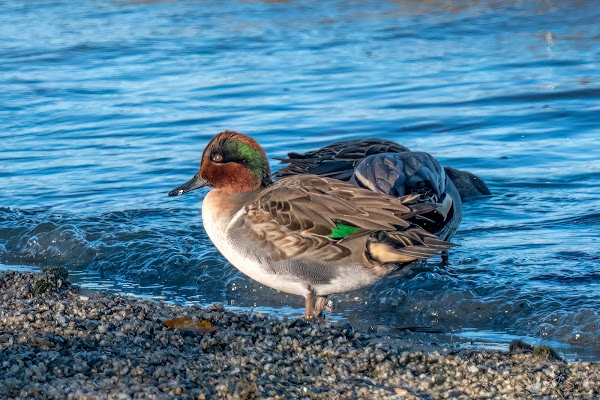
(217, 157)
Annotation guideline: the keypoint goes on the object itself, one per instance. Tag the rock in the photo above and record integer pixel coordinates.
(91, 325)
(404, 394)
(546, 353)
(55, 272)
(519, 347)
(473, 369)
(348, 330)
(438, 379)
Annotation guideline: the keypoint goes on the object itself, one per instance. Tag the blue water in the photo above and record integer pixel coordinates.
(106, 106)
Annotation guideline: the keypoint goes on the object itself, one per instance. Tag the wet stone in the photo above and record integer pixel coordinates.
(91, 325)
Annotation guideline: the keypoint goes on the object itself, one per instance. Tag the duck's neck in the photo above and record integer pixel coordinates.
(266, 181)
(222, 204)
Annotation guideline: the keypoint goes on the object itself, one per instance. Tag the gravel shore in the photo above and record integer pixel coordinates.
(58, 341)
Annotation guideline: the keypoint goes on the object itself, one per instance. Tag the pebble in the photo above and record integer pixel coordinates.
(91, 325)
(473, 369)
(63, 345)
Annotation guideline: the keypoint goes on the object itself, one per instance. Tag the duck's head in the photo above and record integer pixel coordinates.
(231, 162)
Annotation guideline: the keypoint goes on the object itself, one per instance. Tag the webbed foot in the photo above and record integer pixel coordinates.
(313, 310)
(321, 305)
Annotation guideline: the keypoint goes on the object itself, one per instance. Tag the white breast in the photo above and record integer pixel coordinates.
(216, 225)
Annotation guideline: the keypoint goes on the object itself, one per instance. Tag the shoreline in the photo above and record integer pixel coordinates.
(60, 341)
(467, 339)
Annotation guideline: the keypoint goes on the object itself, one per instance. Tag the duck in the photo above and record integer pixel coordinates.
(338, 160)
(389, 168)
(304, 234)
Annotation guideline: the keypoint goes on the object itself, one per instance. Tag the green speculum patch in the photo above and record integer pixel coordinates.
(341, 231)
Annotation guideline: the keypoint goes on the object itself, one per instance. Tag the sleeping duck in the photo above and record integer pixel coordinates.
(386, 167)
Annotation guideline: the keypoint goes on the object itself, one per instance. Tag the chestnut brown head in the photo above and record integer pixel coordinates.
(232, 162)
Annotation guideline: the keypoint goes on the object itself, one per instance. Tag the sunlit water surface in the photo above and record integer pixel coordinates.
(105, 106)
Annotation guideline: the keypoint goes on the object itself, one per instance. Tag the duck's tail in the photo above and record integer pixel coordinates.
(419, 175)
(404, 245)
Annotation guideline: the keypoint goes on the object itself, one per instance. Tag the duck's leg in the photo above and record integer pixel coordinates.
(445, 257)
(320, 305)
(309, 312)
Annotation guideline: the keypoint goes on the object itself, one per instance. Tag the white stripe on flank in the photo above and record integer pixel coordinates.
(237, 215)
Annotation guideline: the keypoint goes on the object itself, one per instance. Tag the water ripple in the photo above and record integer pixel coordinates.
(105, 107)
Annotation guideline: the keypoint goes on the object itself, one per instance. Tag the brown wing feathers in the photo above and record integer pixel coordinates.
(293, 217)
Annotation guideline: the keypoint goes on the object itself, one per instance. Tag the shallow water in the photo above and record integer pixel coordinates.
(106, 106)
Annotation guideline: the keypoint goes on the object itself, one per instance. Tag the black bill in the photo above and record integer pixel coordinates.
(195, 183)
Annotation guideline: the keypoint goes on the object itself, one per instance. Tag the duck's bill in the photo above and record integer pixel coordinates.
(195, 183)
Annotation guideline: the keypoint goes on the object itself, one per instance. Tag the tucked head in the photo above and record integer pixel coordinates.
(232, 162)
